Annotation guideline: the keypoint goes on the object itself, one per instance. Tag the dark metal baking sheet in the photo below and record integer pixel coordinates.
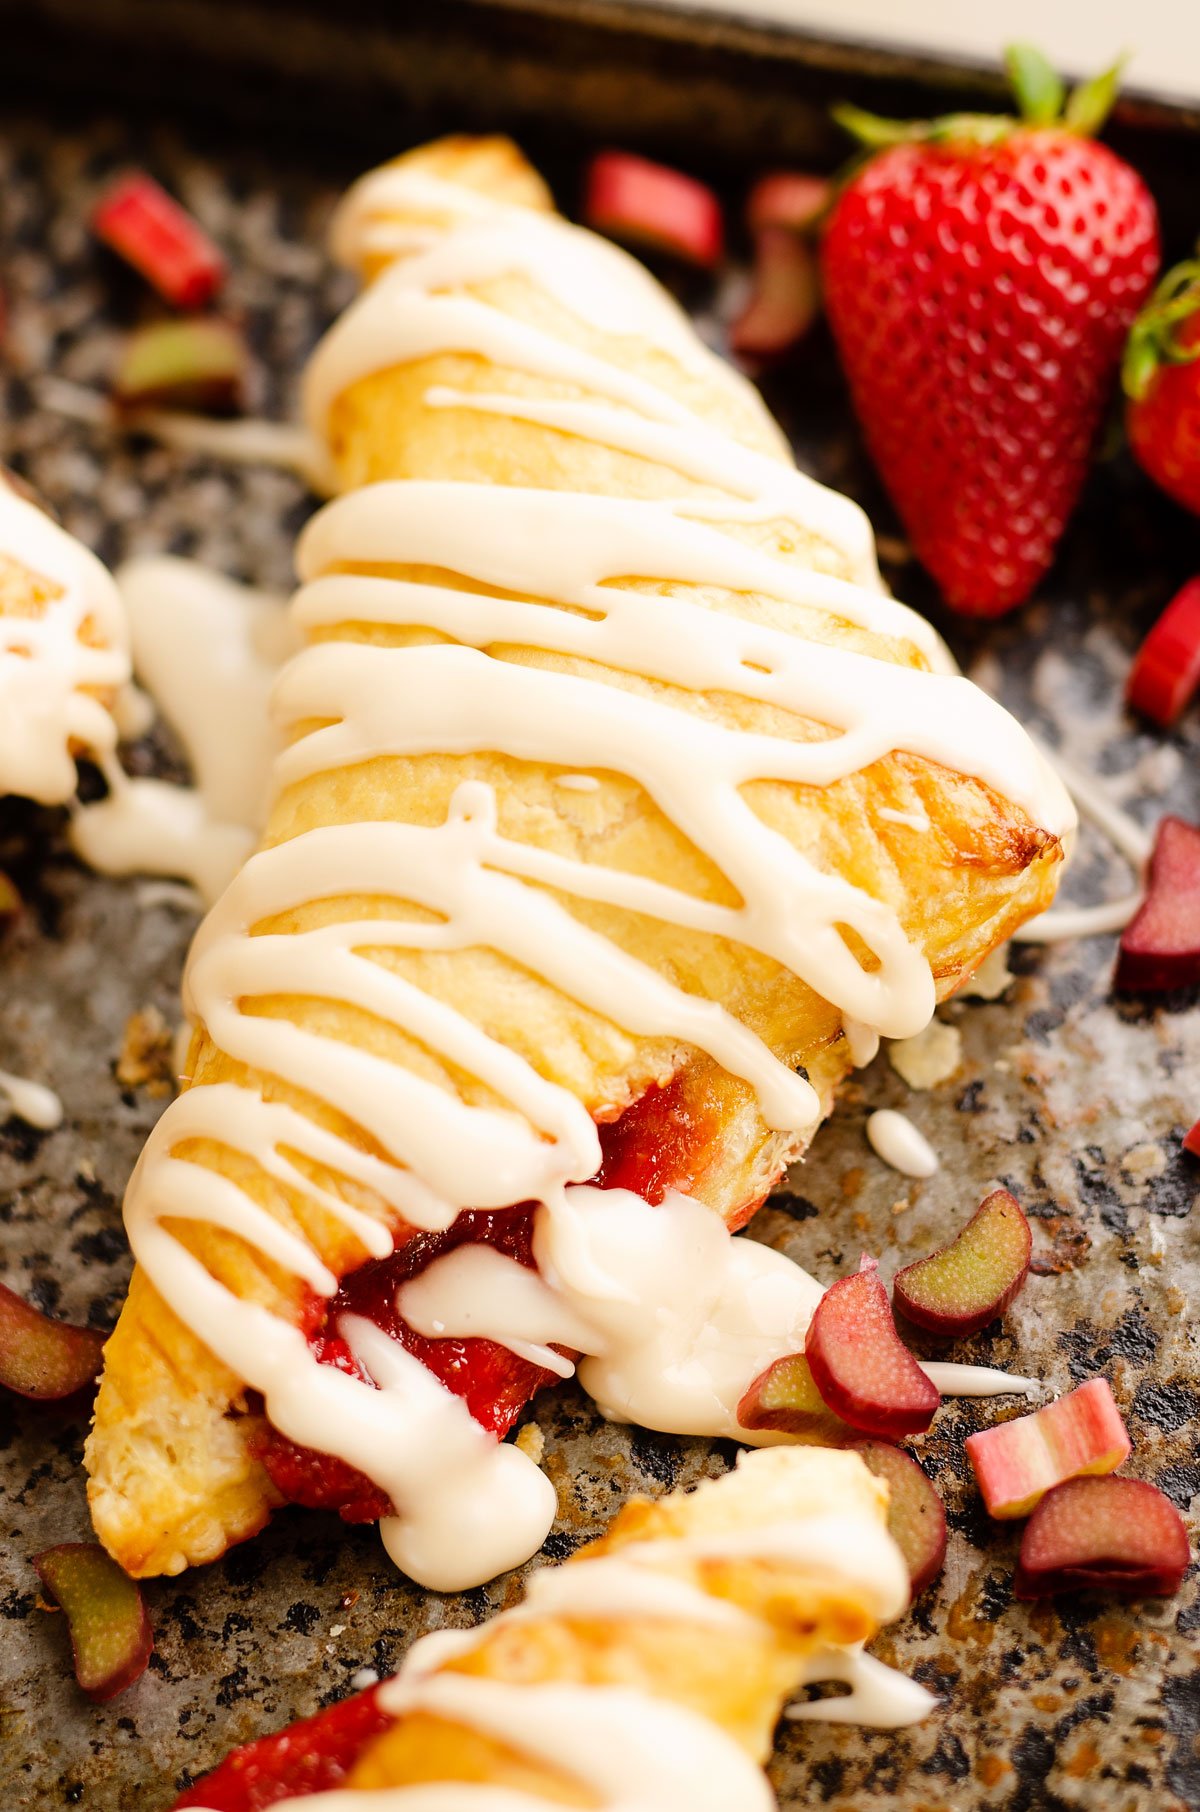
(1077, 1102)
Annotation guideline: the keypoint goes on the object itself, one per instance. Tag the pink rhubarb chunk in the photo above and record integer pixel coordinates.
(1117, 1535)
(1160, 949)
(40, 1357)
(1017, 1462)
(1191, 1140)
(861, 1366)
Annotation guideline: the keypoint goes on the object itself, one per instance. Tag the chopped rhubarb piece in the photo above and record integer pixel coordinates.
(630, 198)
(1191, 1140)
(862, 1368)
(110, 1632)
(785, 299)
(1160, 949)
(183, 365)
(961, 1287)
(916, 1514)
(1166, 670)
(312, 1756)
(788, 198)
(785, 1398)
(150, 230)
(43, 1358)
(1118, 1535)
(1017, 1462)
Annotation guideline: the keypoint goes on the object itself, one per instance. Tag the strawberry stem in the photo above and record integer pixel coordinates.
(1154, 337)
(1092, 102)
(1036, 84)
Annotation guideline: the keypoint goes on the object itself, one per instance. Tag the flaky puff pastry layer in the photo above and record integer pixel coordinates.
(29, 594)
(737, 1676)
(174, 1480)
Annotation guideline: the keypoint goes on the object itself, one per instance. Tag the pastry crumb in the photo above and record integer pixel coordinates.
(147, 1054)
(532, 1442)
(991, 979)
(1142, 1162)
(931, 1057)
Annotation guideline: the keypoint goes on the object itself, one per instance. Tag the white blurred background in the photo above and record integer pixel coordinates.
(1080, 36)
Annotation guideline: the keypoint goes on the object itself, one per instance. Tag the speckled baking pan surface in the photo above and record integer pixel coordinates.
(1076, 1102)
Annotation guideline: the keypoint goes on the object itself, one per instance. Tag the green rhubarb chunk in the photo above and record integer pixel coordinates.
(40, 1357)
(197, 364)
(110, 1632)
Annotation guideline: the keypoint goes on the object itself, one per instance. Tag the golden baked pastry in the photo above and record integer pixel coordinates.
(621, 809)
(650, 1669)
(63, 653)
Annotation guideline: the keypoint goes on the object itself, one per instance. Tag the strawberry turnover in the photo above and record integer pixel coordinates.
(590, 872)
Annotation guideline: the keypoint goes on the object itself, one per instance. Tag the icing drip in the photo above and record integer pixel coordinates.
(1127, 838)
(32, 1102)
(898, 1142)
(208, 651)
(466, 1507)
(50, 675)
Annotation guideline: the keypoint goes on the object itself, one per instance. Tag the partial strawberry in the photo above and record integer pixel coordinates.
(980, 276)
(785, 1398)
(651, 205)
(1191, 1140)
(961, 1287)
(863, 1370)
(1165, 675)
(1162, 382)
(1017, 1462)
(110, 1632)
(916, 1514)
(1116, 1535)
(1160, 948)
(42, 1358)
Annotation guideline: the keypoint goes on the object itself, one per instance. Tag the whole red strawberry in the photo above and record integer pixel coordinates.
(1162, 382)
(980, 276)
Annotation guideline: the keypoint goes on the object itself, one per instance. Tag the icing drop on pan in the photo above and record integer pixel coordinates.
(32, 1102)
(341, 702)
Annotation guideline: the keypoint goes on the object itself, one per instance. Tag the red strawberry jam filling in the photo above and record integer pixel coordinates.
(310, 1757)
(660, 1142)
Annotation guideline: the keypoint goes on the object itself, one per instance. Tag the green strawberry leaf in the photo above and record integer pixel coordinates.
(1092, 102)
(1154, 338)
(1035, 83)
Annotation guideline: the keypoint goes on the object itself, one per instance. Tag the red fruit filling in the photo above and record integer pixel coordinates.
(1119, 1535)
(662, 1141)
(1191, 1140)
(313, 1756)
(861, 1366)
(1160, 950)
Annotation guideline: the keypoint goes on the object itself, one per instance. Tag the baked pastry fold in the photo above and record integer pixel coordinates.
(621, 808)
(650, 1668)
(64, 653)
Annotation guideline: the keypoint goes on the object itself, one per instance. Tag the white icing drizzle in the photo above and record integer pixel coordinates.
(48, 673)
(208, 651)
(1127, 838)
(465, 1506)
(32, 1102)
(895, 1139)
